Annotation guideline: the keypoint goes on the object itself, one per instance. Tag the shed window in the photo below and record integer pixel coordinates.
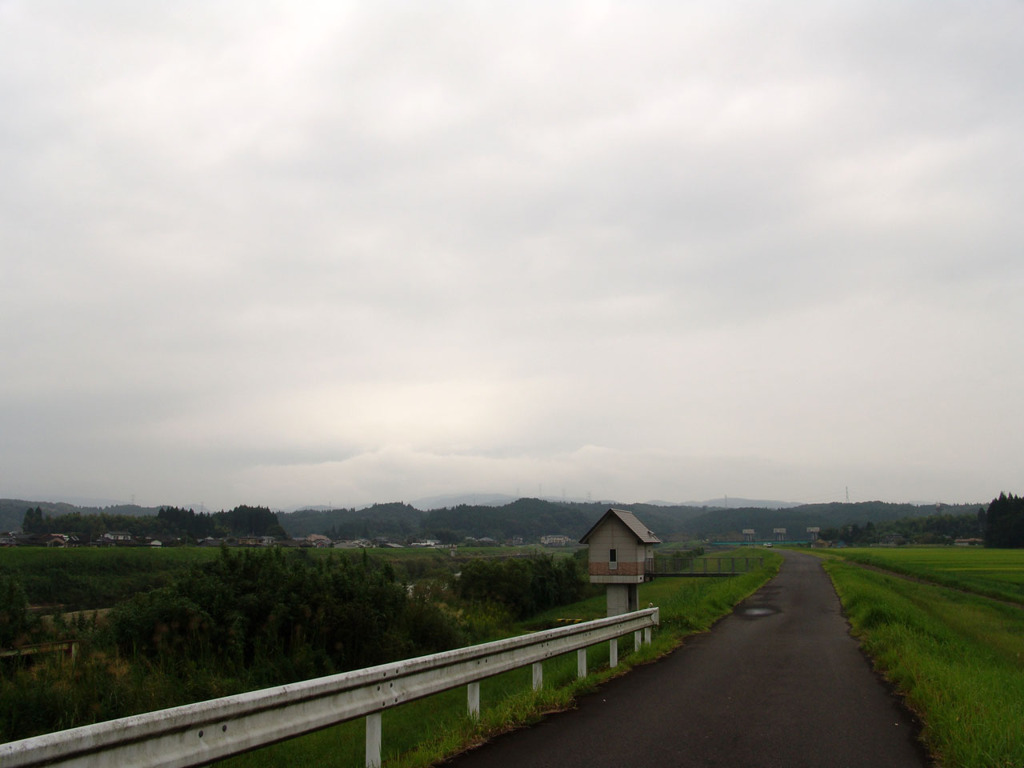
(613, 562)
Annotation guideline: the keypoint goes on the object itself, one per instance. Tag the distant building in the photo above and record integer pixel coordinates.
(556, 541)
(115, 537)
(353, 544)
(256, 541)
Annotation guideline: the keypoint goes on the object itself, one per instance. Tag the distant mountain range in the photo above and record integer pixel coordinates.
(498, 517)
(455, 500)
(500, 499)
(730, 502)
(531, 518)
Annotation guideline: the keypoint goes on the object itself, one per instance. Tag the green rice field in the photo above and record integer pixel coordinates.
(954, 653)
(997, 573)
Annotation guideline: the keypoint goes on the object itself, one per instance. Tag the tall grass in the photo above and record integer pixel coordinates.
(423, 732)
(957, 658)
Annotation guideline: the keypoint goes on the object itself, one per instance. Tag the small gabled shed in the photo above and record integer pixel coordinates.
(621, 556)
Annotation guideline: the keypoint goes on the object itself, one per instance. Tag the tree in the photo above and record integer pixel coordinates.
(523, 585)
(1004, 522)
(275, 616)
(15, 618)
(33, 522)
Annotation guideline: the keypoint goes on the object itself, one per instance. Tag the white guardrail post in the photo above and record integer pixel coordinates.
(374, 732)
(198, 734)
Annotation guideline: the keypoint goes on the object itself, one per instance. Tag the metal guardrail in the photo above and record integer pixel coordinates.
(197, 734)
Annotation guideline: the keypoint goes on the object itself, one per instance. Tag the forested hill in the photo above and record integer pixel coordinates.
(796, 520)
(12, 511)
(525, 518)
(532, 518)
(393, 521)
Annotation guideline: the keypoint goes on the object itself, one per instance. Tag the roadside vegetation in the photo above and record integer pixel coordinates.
(953, 653)
(218, 622)
(424, 732)
(248, 619)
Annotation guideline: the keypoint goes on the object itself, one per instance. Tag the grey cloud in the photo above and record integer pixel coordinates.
(369, 248)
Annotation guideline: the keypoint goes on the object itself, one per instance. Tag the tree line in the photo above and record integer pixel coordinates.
(243, 520)
(929, 529)
(1004, 522)
(862, 522)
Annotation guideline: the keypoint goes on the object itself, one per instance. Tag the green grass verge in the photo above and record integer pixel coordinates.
(425, 732)
(957, 658)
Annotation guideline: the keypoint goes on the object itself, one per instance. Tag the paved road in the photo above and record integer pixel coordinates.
(780, 682)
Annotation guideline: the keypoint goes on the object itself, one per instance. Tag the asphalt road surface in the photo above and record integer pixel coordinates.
(780, 682)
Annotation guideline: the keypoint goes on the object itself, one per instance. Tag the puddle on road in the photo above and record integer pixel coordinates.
(758, 611)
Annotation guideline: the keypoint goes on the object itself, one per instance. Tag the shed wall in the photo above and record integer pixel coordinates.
(630, 555)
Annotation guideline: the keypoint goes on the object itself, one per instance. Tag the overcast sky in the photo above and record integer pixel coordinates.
(338, 253)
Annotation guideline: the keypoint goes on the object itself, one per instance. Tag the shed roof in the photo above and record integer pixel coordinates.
(643, 534)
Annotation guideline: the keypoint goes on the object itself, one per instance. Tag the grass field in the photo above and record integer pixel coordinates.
(955, 655)
(422, 733)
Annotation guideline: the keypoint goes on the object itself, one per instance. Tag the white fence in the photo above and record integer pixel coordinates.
(197, 734)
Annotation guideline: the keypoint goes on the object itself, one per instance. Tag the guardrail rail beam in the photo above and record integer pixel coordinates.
(198, 734)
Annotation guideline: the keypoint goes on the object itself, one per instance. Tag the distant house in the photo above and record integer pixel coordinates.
(969, 542)
(255, 541)
(115, 537)
(556, 541)
(353, 544)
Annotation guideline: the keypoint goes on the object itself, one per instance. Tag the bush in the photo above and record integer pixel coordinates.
(277, 617)
(524, 586)
(15, 619)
